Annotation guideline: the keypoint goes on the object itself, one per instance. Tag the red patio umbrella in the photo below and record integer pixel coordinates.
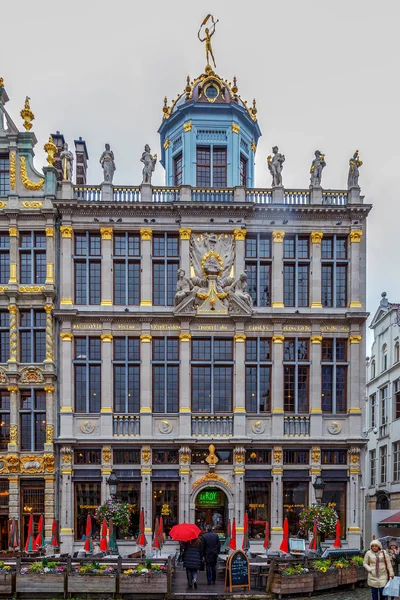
(103, 541)
(156, 539)
(337, 543)
(246, 541)
(285, 542)
(141, 541)
(30, 545)
(54, 534)
(232, 543)
(88, 547)
(161, 537)
(266, 538)
(39, 537)
(184, 532)
(13, 541)
(313, 543)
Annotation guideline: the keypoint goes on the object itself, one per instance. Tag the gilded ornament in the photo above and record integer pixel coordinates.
(12, 309)
(239, 454)
(66, 454)
(278, 339)
(66, 337)
(106, 337)
(106, 233)
(3, 204)
(49, 434)
(253, 146)
(146, 338)
(210, 477)
(3, 376)
(49, 231)
(107, 454)
(13, 434)
(278, 236)
(146, 454)
(48, 308)
(51, 150)
(165, 510)
(315, 454)
(166, 109)
(28, 289)
(13, 273)
(185, 337)
(184, 233)
(239, 337)
(13, 463)
(32, 204)
(13, 231)
(28, 184)
(166, 144)
(355, 339)
(1, 82)
(239, 235)
(49, 273)
(235, 128)
(3, 288)
(146, 234)
(27, 115)
(316, 339)
(13, 170)
(32, 464)
(49, 389)
(316, 237)
(355, 236)
(278, 454)
(49, 463)
(66, 231)
(184, 454)
(206, 258)
(31, 375)
(212, 458)
(187, 126)
(12, 389)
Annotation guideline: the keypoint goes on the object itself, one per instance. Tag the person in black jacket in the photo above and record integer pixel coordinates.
(192, 561)
(211, 548)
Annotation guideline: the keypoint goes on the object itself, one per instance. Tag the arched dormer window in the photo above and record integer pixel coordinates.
(384, 357)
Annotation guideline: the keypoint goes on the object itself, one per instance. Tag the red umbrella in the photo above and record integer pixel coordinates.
(141, 541)
(266, 538)
(285, 542)
(13, 542)
(156, 539)
(88, 542)
(313, 543)
(184, 532)
(161, 538)
(103, 541)
(30, 545)
(337, 543)
(54, 535)
(39, 537)
(246, 541)
(232, 543)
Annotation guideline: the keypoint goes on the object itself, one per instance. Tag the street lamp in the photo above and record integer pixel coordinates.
(113, 481)
(319, 486)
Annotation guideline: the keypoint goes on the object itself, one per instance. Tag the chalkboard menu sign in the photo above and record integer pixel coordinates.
(237, 571)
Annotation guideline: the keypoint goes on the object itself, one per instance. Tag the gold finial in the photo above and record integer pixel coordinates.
(188, 87)
(1, 82)
(27, 115)
(208, 33)
(234, 87)
(51, 149)
(166, 109)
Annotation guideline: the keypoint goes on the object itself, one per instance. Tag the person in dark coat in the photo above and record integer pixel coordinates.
(211, 547)
(192, 561)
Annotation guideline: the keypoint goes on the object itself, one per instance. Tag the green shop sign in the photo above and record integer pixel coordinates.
(209, 497)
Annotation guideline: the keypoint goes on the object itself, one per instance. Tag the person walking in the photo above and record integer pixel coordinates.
(394, 557)
(211, 546)
(379, 566)
(192, 561)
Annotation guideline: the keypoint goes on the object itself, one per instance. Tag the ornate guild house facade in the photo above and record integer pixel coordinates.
(203, 341)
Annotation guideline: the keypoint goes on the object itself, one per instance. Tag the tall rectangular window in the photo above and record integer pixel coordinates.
(396, 395)
(32, 257)
(4, 336)
(4, 175)
(32, 335)
(296, 367)
(334, 376)
(33, 419)
(372, 467)
(87, 367)
(212, 375)
(178, 169)
(373, 410)
(165, 366)
(165, 260)
(4, 419)
(396, 461)
(257, 505)
(258, 375)
(87, 499)
(383, 424)
(87, 261)
(126, 365)
(211, 166)
(296, 265)
(126, 268)
(258, 268)
(383, 463)
(4, 258)
(334, 271)
(243, 171)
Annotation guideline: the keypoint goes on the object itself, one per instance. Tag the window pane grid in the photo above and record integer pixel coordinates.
(258, 375)
(296, 376)
(165, 269)
(33, 420)
(165, 375)
(87, 368)
(334, 376)
(334, 271)
(4, 175)
(212, 383)
(258, 271)
(32, 335)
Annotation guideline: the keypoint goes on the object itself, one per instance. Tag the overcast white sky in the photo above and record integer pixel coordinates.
(325, 74)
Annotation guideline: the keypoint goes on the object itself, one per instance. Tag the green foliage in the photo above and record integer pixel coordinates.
(322, 565)
(117, 511)
(325, 516)
(293, 570)
(148, 563)
(357, 561)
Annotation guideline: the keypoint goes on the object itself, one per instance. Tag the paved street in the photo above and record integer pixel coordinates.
(349, 594)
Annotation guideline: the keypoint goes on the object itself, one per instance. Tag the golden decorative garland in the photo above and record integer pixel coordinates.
(30, 185)
(13, 170)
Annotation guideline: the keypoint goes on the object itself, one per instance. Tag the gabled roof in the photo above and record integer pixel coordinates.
(385, 307)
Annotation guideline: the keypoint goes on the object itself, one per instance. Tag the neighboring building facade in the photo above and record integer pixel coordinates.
(206, 398)
(383, 410)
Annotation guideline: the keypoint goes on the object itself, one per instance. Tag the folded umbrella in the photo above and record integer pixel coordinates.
(54, 534)
(232, 542)
(88, 547)
(337, 543)
(184, 532)
(141, 541)
(161, 536)
(266, 538)
(30, 545)
(285, 541)
(156, 539)
(103, 541)
(112, 536)
(246, 541)
(313, 543)
(39, 537)
(13, 541)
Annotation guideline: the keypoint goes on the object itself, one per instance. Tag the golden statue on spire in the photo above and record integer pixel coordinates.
(208, 33)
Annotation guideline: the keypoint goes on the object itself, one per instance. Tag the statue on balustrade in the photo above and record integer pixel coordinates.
(67, 161)
(275, 166)
(108, 164)
(239, 287)
(317, 166)
(149, 162)
(354, 170)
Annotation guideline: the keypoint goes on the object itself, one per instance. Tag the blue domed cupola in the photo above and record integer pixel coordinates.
(209, 135)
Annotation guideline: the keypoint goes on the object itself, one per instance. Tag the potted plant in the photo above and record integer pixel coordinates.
(347, 571)
(41, 577)
(325, 517)
(92, 577)
(5, 578)
(144, 577)
(119, 512)
(325, 575)
(358, 562)
(291, 580)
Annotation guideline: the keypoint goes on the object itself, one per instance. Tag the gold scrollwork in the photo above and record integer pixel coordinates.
(66, 231)
(278, 236)
(13, 434)
(106, 233)
(166, 144)
(49, 434)
(184, 233)
(27, 183)
(146, 454)
(187, 126)
(146, 234)
(210, 477)
(13, 170)
(32, 204)
(107, 454)
(49, 463)
(13, 463)
(32, 464)
(29, 289)
(239, 235)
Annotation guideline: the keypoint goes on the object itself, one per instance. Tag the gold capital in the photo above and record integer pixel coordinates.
(278, 339)
(66, 337)
(13, 231)
(235, 128)
(316, 237)
(166, 144)
(12, 309)
(49, 389)
(48, 308)
(146, 234)
(49, 231)
(277, 236)
(355, 236)
(355, 339)
(106, 337)
(106, 233)
(185, 337)
(239, 337)
(12, 388)
(253, 146)
(239, 234)
(316, 339)
(146, 338)
(187, 126)
(184, 233)
(66, 231)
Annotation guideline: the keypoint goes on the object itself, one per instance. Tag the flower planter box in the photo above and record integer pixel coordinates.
(324, 581)
(143, 584)
(92, 583)
(50, 583)
(362, 574)
(6, 583)
(293, 584)
(348, 576)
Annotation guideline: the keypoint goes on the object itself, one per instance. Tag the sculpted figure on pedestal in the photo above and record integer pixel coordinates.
(67, 161)
(239, 287)
(317, 166)
(275, 166)
(149, 162)
(108, 164)
(183, 287)
(354, 165)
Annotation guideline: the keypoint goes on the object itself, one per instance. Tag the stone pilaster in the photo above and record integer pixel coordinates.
(184, 236)
(277, 266)
(276, 497)
(14, 409)
(67, 395)
(355, 267)
(49, 389)
(146, 492)
(13, 310)
(49, 334)
(49, 505)
(315, 469)
(14, 497)
(185, 409)
(315, 288)
(13, 232)
(277, 407)
(50, 254)
(66, 264)
(354, 366)
(240, 239)
(106, 266)
(146, 396)
(239, 399)
(66, 504)
(354, 498)
(184, 472)
(146, 280)
(315, 386)
(106, 385)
